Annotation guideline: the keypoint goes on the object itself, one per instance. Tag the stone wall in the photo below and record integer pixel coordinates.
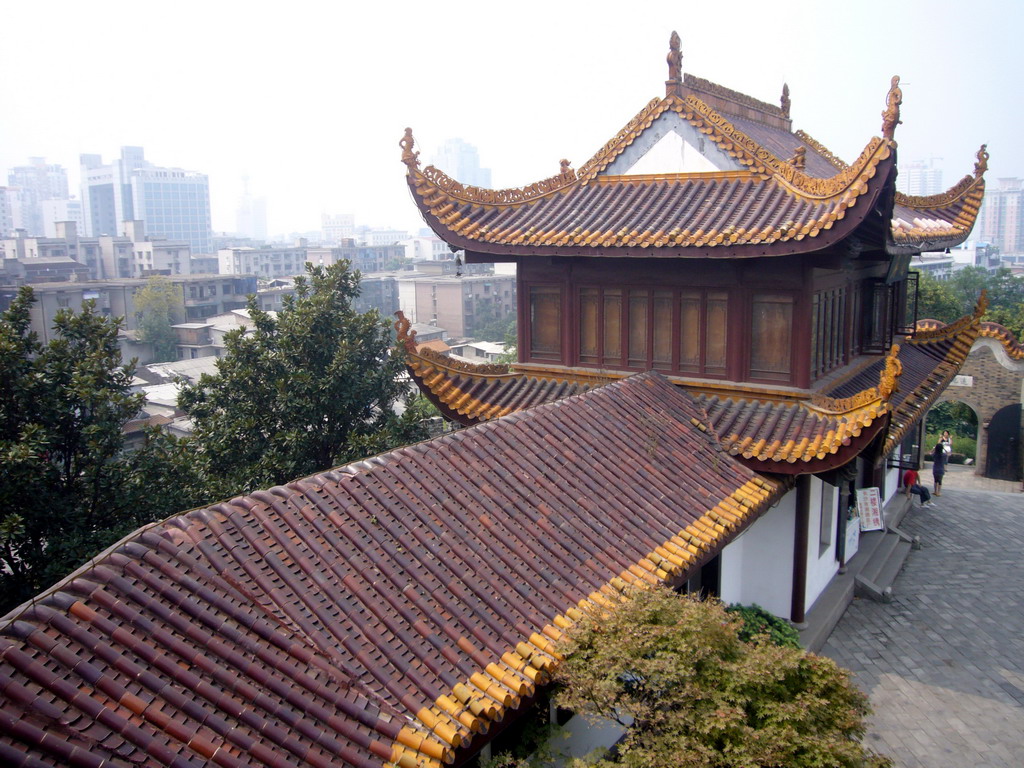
(996, 380)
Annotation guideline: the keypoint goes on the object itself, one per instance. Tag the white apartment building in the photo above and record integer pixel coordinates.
(1001, 220)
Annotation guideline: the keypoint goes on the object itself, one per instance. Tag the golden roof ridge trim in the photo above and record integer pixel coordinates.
(614, 146)
(743, 99)
(837, 162)
(481, 699)
(1005, 336)
(481, 196)
(963, 339)
(950, 330)
(406, 340)
(952, 195)
(762, 161)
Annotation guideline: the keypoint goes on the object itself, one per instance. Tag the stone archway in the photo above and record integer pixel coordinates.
(991, 378)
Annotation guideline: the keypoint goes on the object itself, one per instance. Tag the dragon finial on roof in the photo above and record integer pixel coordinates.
(406, 336)
(982, 165)
(785, 101)
(891, 114)
(410, 158)
(674, 84)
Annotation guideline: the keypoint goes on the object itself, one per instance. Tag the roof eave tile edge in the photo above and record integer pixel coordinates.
(965, 331)
(487, 694)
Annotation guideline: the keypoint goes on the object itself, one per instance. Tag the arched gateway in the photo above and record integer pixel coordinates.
(991, 382)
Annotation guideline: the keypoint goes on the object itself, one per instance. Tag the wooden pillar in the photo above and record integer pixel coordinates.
(801, 528)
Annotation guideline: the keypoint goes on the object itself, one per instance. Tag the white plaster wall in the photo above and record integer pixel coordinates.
(821, 565)
(892, 484)
(758, 566)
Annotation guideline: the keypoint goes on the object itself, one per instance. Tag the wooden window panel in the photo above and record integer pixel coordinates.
(716, 321)
(589, 352)
(771, 336)
(816, 365)
(690, 331)
(546, 322)
(612, 322)
(638, 305)
(662, 330)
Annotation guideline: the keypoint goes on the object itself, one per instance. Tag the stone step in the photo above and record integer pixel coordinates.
(875, 578)
(879, 557)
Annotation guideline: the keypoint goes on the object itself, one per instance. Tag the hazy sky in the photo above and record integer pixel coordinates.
(310, 99)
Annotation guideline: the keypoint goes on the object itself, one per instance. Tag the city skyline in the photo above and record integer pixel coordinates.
(316, 126)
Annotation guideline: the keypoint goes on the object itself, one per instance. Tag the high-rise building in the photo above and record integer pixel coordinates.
(920, 178)
(462, 161)
(173, 203)
(6, 218)
(1001, 220)
(337, 228)
(251, 215)
(54, 211)
(31, 185)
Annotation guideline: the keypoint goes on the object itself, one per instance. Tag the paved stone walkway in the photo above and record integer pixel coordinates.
(943, 663)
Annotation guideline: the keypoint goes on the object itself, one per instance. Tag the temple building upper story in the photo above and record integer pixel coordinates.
(708, 240)
(711, 242)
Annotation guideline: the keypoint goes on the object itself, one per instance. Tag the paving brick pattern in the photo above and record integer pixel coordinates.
(943, 663)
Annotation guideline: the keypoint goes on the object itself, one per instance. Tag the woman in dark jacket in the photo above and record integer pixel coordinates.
(939, 458)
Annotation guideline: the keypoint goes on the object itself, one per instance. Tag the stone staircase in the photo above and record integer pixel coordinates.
(870, 573)
(879, 561)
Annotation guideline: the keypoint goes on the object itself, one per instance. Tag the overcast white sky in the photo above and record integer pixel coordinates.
(309, 99)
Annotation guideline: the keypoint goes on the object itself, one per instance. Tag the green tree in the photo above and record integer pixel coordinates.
(489, 327)
(935, 300)
(298, 393)
(673, 670)
(67, 489)
(158, 306)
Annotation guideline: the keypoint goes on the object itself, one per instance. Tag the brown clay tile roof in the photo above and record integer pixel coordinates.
(989, 330)
(770, 207)
(928, 361)
(378, 614)
(943, 220)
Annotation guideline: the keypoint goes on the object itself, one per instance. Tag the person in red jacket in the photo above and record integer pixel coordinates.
(912, 485)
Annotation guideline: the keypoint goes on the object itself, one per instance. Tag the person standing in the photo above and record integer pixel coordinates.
(939, 459)
(947, 443)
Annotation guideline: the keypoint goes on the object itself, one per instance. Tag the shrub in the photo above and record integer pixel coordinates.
(956, 458)
(757, 621)
(674, 673)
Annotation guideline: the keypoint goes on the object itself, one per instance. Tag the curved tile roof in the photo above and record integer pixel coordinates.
(929, 360)
(382, 613)
(773, 206)
(989, 330)
(790, 197)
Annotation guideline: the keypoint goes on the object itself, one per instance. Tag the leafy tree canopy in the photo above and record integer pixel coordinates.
(67, 490)
(299, 392)
(159, 306)
(948, 300)
(674, 671)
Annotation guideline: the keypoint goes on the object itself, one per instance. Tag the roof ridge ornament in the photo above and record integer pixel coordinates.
(982, 165)
(406, 337)
(891, 115)
(799, 159)
(888, 381)
(785, 102)
(410, 158)
(674, 84)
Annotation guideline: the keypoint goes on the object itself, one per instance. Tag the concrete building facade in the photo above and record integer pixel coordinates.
(33, 184)
(1001, 221)
(174, 203)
